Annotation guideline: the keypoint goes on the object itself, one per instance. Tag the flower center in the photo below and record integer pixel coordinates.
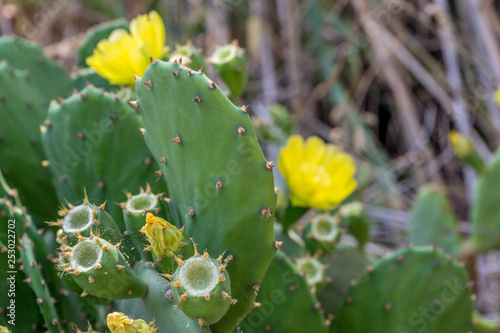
(317, 173)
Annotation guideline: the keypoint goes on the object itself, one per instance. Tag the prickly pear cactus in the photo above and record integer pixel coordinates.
(51, 80)
(285, 302)
(221, 186)
(433, 221)
(346, 266)
(485, 211)
(23, 110)
(93, 143)
(413, 290)
(30, 268)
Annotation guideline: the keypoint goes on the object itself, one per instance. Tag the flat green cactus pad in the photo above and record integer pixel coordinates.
(93, 142)
(486, 210)
(433, 221)
(220, 185)
(415, 290)
(286, 303)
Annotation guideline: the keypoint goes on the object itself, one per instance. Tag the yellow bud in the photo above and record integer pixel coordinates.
(460, 145)
(164, 237)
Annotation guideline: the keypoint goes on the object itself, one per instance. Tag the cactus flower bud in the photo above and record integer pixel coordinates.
(164, 237)
(464, 149)
(118, 322)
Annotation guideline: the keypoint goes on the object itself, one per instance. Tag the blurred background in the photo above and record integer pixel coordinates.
(384, 80)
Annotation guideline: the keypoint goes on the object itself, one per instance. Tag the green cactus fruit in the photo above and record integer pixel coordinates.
(190, 56)
(134, 214)
(21, 154)
(433, 221)
(88, 76)
(353, 216)
(284, 293)
(30, 59)
(93, 143)
(101, 270)
(230, 63)
(158, 304)
(313, 271)
(322, 234)
(221, 187)
(485, 210)
(202, 288)
(87, 219)
(95, 35)
(347, 265)
(413, 290)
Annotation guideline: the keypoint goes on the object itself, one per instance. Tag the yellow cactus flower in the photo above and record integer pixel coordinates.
(118, 322)
(318, 174)
(124, 54)
(164, 237)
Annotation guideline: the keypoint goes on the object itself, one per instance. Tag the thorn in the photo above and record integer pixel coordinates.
(183, 297)
(179, 260)
(277, 245)
(105, 247)
(98, 266)
(195, 246)
(168, 276)
(133, 103)
(197, 99)
(256, 305)
(266, 212)
(176, 140)
(207, 297)
(91, 279)
(201, 321)
(147, 83)
(153, 60)
(276, 190)
(205, 254)
(241, 130)
(221, 278)
(163, 160)
(119, 267)
(212, 85)
(256, 289)
(80, 136)
(244, 108)
(142, 130)
(201, 69)
(175, 73)
(137, 77)
(218, 184)
(176, 283)
(84, 294)
(225, 295)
